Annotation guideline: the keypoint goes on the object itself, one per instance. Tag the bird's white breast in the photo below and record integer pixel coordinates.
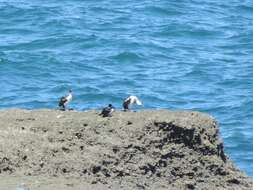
(69, 97)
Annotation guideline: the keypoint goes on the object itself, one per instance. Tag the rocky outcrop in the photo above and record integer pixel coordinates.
(131, 150)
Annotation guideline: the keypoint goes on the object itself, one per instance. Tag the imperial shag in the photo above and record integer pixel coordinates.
(65, 100)
(107, 111)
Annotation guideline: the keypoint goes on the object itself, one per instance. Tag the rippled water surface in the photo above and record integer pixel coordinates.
(173, 54)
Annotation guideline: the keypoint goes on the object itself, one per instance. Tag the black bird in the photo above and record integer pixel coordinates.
(107, 111)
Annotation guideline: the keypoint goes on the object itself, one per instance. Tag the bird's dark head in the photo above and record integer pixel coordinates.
(70, 91)
(110, 105)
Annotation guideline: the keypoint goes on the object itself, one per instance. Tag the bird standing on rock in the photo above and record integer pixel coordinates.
(129, 101)
(65, 100)
(107, 111)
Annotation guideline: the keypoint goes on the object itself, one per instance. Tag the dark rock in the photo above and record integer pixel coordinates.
(129, 123)
(235, 181)
(96, 169)
(190, 186)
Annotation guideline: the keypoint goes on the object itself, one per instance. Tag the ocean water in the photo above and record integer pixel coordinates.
(177, 54)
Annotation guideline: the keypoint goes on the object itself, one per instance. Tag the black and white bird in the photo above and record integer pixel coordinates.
(107, 111)
(129, 101)
(65, 100)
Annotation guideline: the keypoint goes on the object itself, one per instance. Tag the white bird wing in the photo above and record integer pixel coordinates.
(135, 100)
(138, 102)
(69, 97)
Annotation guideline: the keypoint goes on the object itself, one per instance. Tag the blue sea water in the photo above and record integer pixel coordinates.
(176, 54)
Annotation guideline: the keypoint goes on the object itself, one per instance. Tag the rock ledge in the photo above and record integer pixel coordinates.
(142, 150)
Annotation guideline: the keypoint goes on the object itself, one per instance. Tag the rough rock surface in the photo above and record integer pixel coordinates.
(48, 149)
